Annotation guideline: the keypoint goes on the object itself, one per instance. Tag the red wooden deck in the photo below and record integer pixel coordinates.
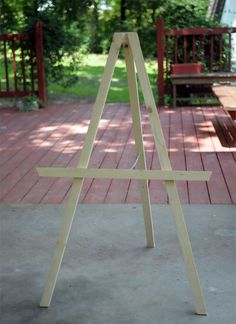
(198, 138)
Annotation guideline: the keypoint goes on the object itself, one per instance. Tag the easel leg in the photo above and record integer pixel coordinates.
(77, 184)
(135, 112)
(61, 243)
(185, 246)
(170, 185)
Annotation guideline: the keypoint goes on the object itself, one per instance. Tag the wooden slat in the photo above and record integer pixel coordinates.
(211, 52)
(27, 189)
(191, 120)
(229, 51)
(32, 78)
(46, 126)
(61, 157)
(157, 188)
(110, 157)
(29, 126)
(144, 174)
(200, 31)
(211, 161)
(13, 47)
(226, 96)
(15, 93)
(220, 52)
(185, 49)
(193, 49)
(11, 37)
(23, 65)
(102, 141)
(228, 164)
(176, 150)
(6, 66)
(176, 50)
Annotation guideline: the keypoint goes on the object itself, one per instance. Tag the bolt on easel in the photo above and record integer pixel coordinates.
(134, 63)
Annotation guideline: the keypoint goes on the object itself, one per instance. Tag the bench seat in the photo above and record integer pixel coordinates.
(200, 78)
(227, 98)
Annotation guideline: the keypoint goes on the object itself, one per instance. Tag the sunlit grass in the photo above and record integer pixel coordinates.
(89, 75)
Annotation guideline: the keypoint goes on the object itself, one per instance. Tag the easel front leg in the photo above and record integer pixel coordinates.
(84, 159)
(61, 243)
(185, 246)
(138, 135)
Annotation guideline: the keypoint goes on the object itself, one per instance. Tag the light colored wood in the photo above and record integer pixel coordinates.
(166, 165)
(133, 55)
(61, 244)
(138, 136)
(83, 162)
(125, 174)
(226, 96)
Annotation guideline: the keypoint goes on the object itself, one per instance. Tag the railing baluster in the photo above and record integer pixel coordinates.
(176, 49)
(211, 52)
(160, 58)
(193, 49)
(14, 64)
(220, 54)
(6, 65)
(229, 53)
(166, 55)
(203, 48)
(32, 70)
(185, 49)
(23, 64)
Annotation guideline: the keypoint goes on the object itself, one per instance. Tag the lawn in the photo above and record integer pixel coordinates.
(89, 75)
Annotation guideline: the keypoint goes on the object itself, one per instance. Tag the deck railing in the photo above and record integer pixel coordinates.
(21, 64)
(210, 47)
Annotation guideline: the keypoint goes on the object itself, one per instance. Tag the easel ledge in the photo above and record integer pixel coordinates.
(172, 175)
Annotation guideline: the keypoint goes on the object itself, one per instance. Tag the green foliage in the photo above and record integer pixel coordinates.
(61, 27)
(140, 16)
(28, 103)
(186, 13)
(73, 27)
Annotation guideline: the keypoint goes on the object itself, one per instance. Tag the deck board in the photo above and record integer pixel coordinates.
(198, 138)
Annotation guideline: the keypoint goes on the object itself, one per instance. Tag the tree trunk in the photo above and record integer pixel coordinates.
(122, 12)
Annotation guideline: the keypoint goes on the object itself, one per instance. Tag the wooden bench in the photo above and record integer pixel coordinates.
(227, 98)
(199, 79)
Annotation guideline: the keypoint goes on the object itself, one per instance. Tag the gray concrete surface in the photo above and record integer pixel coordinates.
(108, 276)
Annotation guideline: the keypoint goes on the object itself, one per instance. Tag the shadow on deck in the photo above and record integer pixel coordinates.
(198, 138)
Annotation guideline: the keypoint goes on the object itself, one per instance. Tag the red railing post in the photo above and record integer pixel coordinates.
(160, 59)
(39, 60)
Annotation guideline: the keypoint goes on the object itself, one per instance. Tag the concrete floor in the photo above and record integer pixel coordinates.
(108, 276)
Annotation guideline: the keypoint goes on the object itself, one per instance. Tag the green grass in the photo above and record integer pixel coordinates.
(89, 75)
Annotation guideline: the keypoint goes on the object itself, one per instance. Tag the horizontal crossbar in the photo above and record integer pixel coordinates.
(125, 174)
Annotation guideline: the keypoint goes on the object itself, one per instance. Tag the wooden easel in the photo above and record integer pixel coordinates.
(133, 59)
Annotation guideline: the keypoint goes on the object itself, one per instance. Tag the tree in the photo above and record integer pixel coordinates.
(63, 22)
